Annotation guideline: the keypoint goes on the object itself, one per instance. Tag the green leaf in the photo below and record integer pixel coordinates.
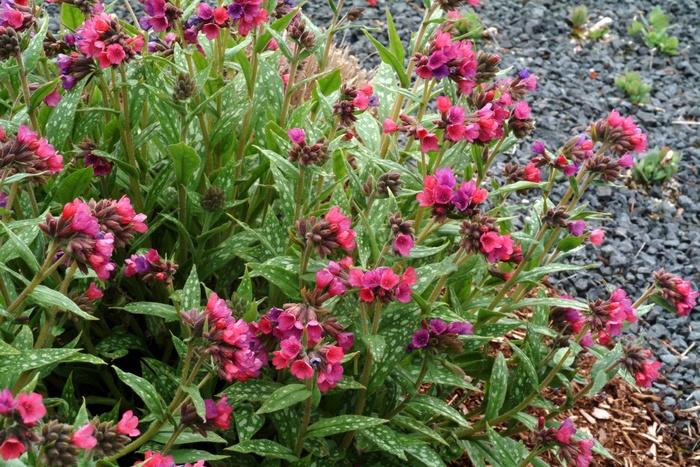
(330, 83)
(439, 407)
(145, 390)
(181, 456)
(33, 359)
(498, 386)
(341, 424)
(59, 128)
(395, 45)
(191, 291)
(284, 397)
(247, 421)
(254, 390)
(16, 246)
(47, 297)
(425, 455)
(74, 185)
(118, 345)
(526, 364)
(503, 449)
(411, 424)
(197, 400)
(71, 17)
(161, 310)
(31, 54)
(385, 439)
(185, 162)
(283, 277)
(390, 59)
(264, 448)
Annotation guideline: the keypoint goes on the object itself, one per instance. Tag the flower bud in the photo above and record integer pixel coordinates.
(213, 199)
(185, 87)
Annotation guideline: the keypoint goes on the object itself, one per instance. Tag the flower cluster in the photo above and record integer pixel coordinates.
(101, 167)
(351, 101)
(243, 14)
(27, 153)
(442, 193)
(619, 133)
(402, 231)
(306, 154)
(677, 291)
(572, 451)
(79, 234)
(440, 336)
(640, 363)
(150, 267)
(16, 14)
(73, 68)
(334, 231)
(383, 284)
(609, 316)
(322, 361)
(101, 37)
(160, 15)
(157, 459)
(232, 343)
(119, 218)
(446, 58)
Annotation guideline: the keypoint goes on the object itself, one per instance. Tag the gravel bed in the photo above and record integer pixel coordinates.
(649, 228)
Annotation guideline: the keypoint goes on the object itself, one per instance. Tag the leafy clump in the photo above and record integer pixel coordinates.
(632, 84)
(657, 166)
(654, 31)
(578, 18)
(223, 243)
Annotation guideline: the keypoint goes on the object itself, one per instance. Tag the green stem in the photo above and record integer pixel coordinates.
(46, 269)
(128, 143)
(168, 444)
(306, 418)
(25, 92)
(329, 38)
(45, 336)
(289, 90)
(419, 383)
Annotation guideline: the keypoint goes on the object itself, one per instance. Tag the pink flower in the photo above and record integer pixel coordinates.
(677, 291)
(565, 431)
(83, 438)
(44, 157)
(341, 225)
(521, 110)
(649, 373)
(11, 448)
(30, 408)
(597, 236)
(389, 126)
(156, 459)
(53, 98)
(576, 228)
(128, 424)
(7, 402)
(620, 133)
(302, 370)
(93, 292)
(626, 161)
(532, 173)
(403, 244)
(443, 104)
(129, 217)
(496, 247)
(219, 413)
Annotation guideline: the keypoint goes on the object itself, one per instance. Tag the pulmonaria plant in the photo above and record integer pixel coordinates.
(219, 232)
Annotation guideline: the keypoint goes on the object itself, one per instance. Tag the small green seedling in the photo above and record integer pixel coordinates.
(631, 83)
(654, 30)
(657, 166)
(578, 18)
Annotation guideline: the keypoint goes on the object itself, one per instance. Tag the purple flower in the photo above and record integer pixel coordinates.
(420, 339)
(296, 135)
(524, 73)
(462, 328)
(437, 326)
(538, 147)
(576, 228)
(3, 199)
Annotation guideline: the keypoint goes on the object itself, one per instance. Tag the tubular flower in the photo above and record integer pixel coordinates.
(102, 38)
(217, 416)
(331, 281)
(573, 452)
(73, 68)
(403, 233)
(294, 320)
(328, 234)
(247, 15)
(306, 154)
(323, 361)
(677, 291)
(27, 153)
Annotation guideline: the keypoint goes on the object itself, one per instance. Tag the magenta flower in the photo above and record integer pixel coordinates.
(296, 135)
(389, 126)
(440, 335)
(383, 284)
(16, 14)
(576, 228)
(7, 402)
(677, 291)
(403, 244)
(247, 15)
(30, 408)
(28, 153)
(648, 374)
(621, 134)
(447, 59)
(102, 38)
(218, 413)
